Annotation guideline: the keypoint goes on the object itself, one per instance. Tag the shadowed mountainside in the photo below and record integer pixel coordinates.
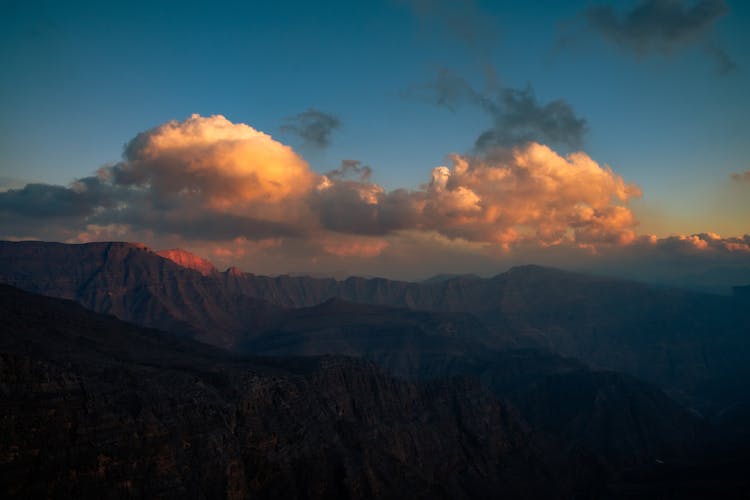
(92, 405)
(621, 421)
(590, 423)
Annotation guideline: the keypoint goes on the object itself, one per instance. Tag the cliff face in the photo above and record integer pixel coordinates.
(94, 407)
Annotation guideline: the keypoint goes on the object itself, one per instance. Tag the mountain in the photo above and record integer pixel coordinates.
(615, 418)
(558, 354)
(135, 284)
(95, 407)
(188, 260)
(679, 340)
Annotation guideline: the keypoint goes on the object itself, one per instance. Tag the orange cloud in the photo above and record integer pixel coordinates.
(530, 194)
(224, 166)
(228, 191)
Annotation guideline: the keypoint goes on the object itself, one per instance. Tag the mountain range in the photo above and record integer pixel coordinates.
(597, 386)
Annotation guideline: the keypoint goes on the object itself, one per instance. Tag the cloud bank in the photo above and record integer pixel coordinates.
(237, 195)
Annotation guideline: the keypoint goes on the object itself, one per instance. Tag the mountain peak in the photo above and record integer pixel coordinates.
(189, 260)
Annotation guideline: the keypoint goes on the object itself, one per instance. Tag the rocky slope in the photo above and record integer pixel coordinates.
(617, 419)
(93, 407)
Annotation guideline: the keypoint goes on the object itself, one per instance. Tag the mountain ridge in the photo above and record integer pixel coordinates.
(679, 340)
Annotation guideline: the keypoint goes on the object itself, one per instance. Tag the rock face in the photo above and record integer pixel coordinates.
(188, 260)
(93, 407)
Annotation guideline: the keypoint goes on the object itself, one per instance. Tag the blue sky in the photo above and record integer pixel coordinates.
(80, 79)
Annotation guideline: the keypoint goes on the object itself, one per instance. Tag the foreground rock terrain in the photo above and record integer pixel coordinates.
(93, 407)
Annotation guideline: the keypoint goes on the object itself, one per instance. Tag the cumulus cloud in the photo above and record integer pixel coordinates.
(529, 194)
(517, 115)
(210, 179)
(229, 192)
(313, 126)
(662, 26)
(532, 194)
(203, 177)
(213, 162)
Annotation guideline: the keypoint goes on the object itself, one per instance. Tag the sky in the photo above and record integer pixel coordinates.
(400, 138)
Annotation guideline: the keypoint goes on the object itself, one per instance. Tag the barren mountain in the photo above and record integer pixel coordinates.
(94, 407)
(682, 341)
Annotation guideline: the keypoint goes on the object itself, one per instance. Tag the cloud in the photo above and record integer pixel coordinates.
(517, 116)
(351, 167)
(532, 194)
(210, 179)
(7, 183)
(662, 26)
(213, 162)
(204, 177)
(459, 19)
(81, 198)
(314, 127)
(228, 191)
(520, 118)
(725, 64)
(529, 194)
(741, 176)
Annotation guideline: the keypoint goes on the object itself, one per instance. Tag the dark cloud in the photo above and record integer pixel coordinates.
(459, 19)
(81, 198)
(313, 126)
(193, 224)
(741, 176)
(358, 208)
(517, 116)
(351, 168)
(520, 118)
(662, 26)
